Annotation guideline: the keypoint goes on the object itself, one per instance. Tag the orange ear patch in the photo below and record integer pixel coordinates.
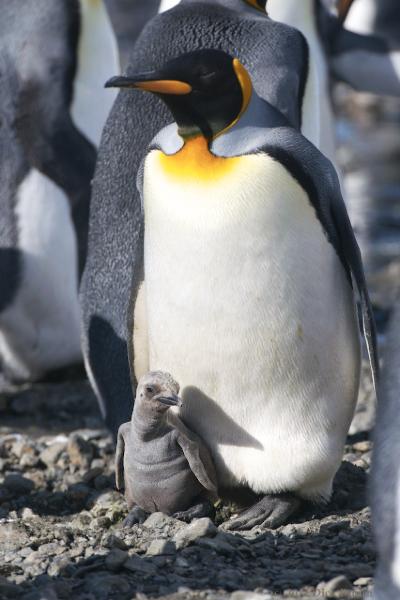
(255, 4)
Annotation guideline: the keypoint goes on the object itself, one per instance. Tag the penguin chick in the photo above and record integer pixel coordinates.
(162, 465)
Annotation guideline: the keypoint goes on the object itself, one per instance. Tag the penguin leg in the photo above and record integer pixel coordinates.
(136, 515)
(203, 509)
(271, 511)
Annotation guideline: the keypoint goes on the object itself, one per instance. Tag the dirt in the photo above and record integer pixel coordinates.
(61, 533)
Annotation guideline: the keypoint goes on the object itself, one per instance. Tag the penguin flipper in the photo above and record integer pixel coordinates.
(196, 454)
(316, 174)
(119, 457)
(368, 63)
(352, 254)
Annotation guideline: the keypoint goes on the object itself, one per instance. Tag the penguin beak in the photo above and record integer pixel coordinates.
(151, 82)
(172, 400)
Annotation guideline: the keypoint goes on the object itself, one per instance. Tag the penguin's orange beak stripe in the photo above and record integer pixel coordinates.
(165, 86)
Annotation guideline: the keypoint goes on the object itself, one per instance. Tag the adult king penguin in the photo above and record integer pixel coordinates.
(247, 295)
(54, 57)
(276, 56)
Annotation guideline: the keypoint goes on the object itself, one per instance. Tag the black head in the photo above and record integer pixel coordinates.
(259, 4)
(206, 90)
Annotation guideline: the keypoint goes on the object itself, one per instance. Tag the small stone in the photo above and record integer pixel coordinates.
(51, 549)
(219, 543)
(362, 446)
(29, 461)
(102, 482)
(106, 500)
(288, 531)
(337, 584)
(8, 589)
(57, 565)
(159, 547)
(78, 492)
(363, 581)
(80, 451)
(17, 484)
(92, 474)
(242, 595)
(113, 541)
(137, 564)
(196, 529)
(50, 455)
(27, 513)
(158, 520)
(115, 559)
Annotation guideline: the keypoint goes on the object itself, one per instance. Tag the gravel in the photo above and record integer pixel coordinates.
(61, 533)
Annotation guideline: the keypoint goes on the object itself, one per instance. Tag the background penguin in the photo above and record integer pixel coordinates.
(54, 58)
(385, 477)
(277, 58)
(246, 217)
(365, 52)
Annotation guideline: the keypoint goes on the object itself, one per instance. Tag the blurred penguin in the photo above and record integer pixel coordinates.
(385, 486)
(54, 58)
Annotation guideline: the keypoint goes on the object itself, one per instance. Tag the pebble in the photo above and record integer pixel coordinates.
(115, 559)
(362, 446)
(363, 581)
(80, 451)
(160, 547)
(137, 564)
(337, 584)
(196, 529)
(50, 455)
(17, 484)
(158, 520)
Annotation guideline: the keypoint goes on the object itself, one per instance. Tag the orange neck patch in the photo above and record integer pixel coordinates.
(195, 162)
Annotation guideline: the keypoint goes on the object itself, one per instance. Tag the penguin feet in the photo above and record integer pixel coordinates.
(203, 509)
(135, 515)
(271, 511)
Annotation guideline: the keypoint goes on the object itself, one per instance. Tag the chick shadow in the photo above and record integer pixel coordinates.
(225, 430)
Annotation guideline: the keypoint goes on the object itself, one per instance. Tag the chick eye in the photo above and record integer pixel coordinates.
(149, 389)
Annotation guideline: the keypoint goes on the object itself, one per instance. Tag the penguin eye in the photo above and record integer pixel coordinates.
(149, 389)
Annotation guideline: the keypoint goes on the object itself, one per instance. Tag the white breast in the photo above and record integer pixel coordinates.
(249, 308)
(40, 330)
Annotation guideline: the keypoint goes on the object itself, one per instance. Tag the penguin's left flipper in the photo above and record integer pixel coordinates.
(119, 456)
(196, 454)
(271, 511)
(317, 176)
(367, 63)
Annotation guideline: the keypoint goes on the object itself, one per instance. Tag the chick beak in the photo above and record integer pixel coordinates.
(151, 82)
(171, 400)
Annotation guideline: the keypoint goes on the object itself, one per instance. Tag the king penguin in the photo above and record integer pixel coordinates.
(385, 472)
(276, 56)
(54, 57)
(248, 263)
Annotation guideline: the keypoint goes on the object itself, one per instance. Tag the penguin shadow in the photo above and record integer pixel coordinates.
(225, 430)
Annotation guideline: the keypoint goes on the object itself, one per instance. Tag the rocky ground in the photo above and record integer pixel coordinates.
(60, 520)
